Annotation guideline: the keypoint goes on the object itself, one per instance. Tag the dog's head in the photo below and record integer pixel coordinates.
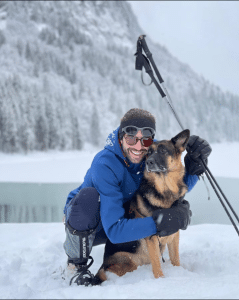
(164, 156)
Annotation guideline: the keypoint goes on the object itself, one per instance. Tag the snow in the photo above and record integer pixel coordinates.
(40, 27)
(71, 166)
(49, 167)
(33, 259)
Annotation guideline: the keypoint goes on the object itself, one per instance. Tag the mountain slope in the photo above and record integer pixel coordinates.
(67, 76)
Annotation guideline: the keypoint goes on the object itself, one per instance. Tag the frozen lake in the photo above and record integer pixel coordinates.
(34, 202)
(34, 187)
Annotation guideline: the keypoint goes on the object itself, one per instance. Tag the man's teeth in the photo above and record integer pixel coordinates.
(136, 153)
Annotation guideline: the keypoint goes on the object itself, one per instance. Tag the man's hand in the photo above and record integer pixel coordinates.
(170, 220)
(198, 149)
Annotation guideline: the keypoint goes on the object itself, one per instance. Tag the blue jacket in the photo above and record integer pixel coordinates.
(116, 183)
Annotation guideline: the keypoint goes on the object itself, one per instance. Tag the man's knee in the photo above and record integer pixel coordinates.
(84, 213)
(82, 218)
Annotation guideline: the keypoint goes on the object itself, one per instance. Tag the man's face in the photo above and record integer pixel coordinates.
(135, 153)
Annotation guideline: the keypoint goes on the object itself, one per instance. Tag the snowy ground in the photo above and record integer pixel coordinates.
(32, 256)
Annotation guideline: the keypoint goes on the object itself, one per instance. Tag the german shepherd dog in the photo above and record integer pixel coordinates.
(161, 186)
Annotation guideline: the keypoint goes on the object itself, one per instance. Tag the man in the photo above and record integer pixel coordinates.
(95, 211)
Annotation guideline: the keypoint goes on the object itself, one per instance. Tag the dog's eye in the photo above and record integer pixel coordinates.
(162, 150)
(150, 151)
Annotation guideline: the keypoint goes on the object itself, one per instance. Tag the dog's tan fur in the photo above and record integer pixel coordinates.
(171, 187)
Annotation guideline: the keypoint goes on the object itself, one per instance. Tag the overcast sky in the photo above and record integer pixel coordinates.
(203, 34)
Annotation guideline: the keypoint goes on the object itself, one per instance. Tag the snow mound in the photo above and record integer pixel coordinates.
(33, 262)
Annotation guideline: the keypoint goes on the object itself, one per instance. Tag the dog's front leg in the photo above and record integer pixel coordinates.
(173, 250)
(155, 255)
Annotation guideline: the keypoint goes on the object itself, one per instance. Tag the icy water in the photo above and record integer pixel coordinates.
(212, 211)
(32, 202)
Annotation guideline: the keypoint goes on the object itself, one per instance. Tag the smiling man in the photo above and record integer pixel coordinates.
(96, 210)
(136, 135)
(134, 154)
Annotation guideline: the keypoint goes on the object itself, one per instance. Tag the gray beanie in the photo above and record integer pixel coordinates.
(137, 117)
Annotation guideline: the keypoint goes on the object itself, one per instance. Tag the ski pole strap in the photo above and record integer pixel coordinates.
(141, 60)
(150, 72)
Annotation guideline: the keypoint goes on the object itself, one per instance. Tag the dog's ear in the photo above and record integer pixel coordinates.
(180, 140)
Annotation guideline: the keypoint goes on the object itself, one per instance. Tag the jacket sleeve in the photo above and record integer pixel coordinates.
(190, 181)
(117, 228)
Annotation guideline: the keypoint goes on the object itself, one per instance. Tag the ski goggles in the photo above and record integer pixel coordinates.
(132, 140)
(133, 130)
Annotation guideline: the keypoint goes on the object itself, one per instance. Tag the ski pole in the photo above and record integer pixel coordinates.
(220, 199)
(228, 203)
(142, 60)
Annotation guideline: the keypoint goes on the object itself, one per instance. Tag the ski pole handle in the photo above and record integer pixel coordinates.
(145, 46)
(150, 57)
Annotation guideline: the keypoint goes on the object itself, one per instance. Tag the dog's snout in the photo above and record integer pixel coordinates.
(150, 162)
(155, 165)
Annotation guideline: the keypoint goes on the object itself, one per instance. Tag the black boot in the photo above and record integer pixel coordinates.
(83, 276)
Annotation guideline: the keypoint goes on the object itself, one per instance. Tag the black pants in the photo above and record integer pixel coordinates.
(83, 226)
